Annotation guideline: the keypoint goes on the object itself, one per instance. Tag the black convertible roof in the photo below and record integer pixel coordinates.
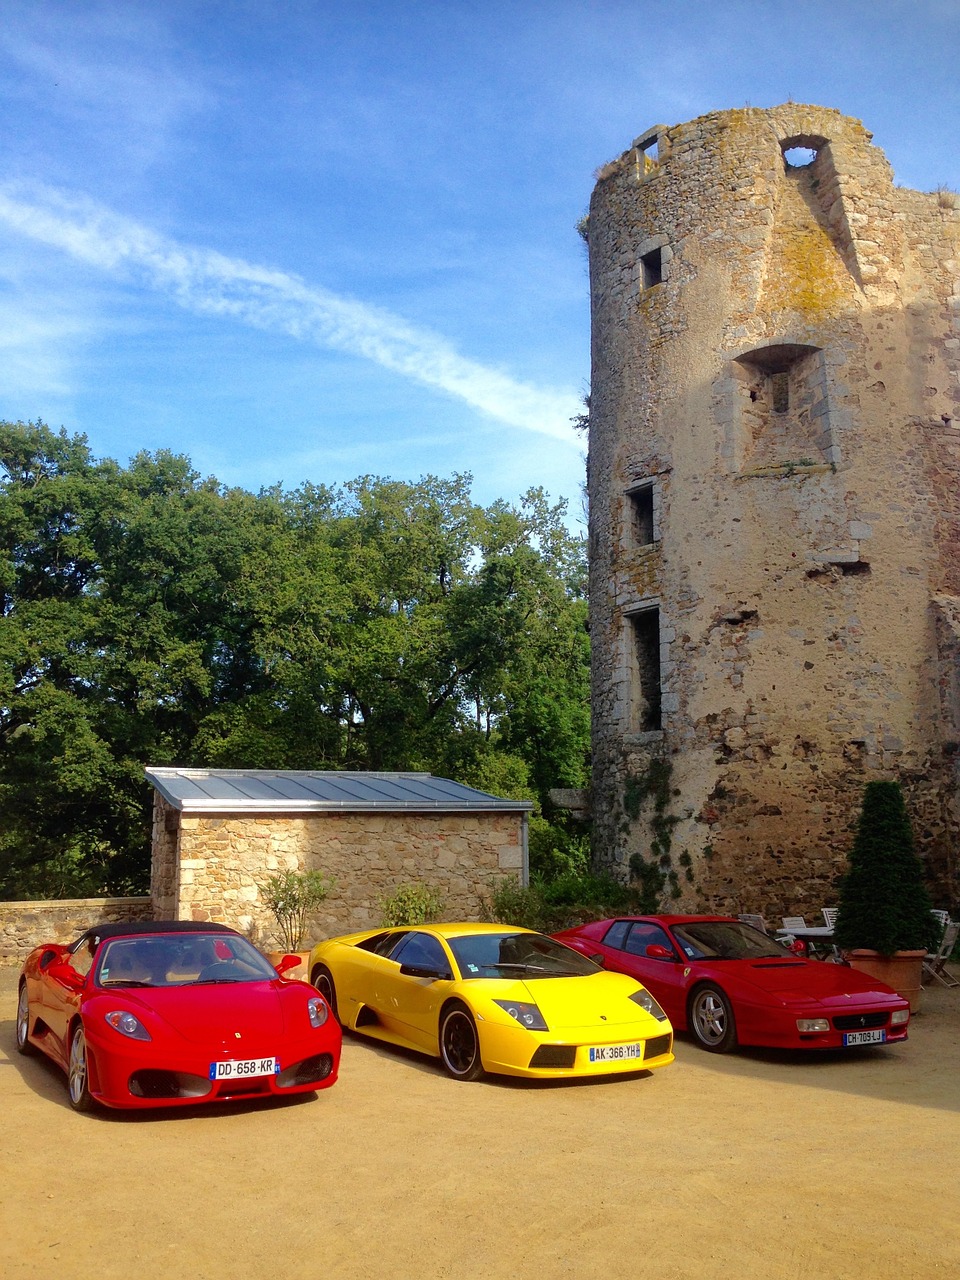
(99, 932)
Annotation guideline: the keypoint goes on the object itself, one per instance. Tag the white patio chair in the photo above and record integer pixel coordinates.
(793, 922)
(829, 916)
(934, 961)
(758, 922)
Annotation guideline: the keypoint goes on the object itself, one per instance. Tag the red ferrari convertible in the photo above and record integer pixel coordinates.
(169, 1013)
(728, 984)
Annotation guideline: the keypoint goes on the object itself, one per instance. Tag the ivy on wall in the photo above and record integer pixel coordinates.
(660, 873)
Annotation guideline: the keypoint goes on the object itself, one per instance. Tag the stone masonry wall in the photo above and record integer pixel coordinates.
(776, 350)
(225, 860)
(25, 925)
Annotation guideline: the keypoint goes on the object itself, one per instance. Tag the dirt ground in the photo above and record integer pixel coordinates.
(759, 1164)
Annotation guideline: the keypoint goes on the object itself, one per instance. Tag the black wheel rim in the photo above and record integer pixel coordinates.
(459, 1042)
(324, 984)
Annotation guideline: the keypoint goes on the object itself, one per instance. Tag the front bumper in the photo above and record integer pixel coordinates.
(544, 1055)
(135, 1074)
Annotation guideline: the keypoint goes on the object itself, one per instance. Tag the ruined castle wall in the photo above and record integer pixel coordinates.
(775, 514)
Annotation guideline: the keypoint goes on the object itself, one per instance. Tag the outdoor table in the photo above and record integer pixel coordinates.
(816, 937)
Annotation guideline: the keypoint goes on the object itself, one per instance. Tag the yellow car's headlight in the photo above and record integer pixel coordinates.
(646, 1001)
(528, 1015)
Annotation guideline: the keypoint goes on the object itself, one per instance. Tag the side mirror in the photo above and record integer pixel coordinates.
(66, 975)
(286, 963)
(656, 952)
(597, 958)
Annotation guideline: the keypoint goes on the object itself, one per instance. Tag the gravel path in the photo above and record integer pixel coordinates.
(756, 1165)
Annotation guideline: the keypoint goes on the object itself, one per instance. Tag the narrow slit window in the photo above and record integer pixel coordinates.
(641, 506)
(651, 265)
(780, 392)
(646, 645)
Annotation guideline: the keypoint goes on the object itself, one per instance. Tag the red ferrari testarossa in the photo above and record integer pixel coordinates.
(728, 984)
(168, 1013)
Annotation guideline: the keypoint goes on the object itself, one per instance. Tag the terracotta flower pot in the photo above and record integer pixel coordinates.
(902, 971)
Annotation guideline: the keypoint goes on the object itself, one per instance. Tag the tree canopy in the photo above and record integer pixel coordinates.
(153, 617)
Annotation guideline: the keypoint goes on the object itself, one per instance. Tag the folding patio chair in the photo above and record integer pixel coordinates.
(934, 961)
(758, 922)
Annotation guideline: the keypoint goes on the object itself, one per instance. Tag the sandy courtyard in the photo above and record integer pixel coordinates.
(758, 1164)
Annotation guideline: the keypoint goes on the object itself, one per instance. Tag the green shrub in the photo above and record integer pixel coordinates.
(411, 904)
(554, 851)
(561, 903)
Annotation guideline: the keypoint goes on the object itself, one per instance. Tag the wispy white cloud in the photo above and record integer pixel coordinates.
(205, 281)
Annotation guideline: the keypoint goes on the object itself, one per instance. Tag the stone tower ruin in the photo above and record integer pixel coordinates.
(774, 484)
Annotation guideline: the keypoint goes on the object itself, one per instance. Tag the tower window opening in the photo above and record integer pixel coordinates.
(645, 629)
(799, 157)
(780, 392)
(651, 265)
(641, 507)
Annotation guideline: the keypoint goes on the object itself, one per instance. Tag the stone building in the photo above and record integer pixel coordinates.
(774, 505)
(218, 834)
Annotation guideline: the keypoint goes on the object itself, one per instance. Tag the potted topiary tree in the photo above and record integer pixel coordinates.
(291, 896)
(884, 924)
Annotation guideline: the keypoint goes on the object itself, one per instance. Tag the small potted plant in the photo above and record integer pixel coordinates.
(291, 896)
(884, 924)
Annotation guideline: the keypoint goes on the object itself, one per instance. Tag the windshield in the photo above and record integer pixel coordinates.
(181, 960)
(726, 940)
(509, 955)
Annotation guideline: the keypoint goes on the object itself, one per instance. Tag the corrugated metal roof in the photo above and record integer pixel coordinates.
(289, 791)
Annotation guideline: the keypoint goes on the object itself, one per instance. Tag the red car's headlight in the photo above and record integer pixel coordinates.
(317, 1011)
(123, 1021)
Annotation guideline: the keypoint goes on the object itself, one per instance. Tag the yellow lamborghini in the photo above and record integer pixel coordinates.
(490, 997)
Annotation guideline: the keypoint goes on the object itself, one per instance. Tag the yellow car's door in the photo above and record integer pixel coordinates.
(409, 1002)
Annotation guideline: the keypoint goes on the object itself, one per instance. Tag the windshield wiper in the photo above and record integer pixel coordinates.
(535, 968)
(215, 982)
(124, 982)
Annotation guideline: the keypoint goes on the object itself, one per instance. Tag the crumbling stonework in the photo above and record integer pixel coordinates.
(774, 505)
(209, 867)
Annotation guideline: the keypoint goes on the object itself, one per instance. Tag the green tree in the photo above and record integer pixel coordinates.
(151, 616)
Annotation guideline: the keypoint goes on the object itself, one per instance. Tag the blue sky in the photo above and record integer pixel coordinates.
(316, 239)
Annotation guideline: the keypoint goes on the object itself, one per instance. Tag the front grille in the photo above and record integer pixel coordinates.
(861, 1021)
(309, 1071)
(156, 1085)
(658, 1045)
(556, 1056)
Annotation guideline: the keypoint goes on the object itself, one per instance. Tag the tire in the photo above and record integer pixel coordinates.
(460, 1044)
(78, 1072)
(322, 979)
(23, 1022)
(710, 1019)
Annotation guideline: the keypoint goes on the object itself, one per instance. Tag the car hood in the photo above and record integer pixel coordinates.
(832, 985)
(202, 1014)
(583, 1001)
